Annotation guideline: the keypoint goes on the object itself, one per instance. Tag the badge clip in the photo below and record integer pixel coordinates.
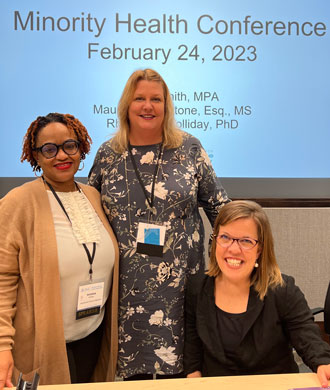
(25, 385)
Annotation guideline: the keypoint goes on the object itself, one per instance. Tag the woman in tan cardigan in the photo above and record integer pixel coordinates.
(58, 266)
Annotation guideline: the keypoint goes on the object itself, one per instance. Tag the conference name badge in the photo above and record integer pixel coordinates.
(90, 299)
(150, 239)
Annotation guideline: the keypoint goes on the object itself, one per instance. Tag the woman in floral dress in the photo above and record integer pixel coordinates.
(152, 178)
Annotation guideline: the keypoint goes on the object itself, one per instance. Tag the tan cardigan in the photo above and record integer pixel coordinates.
(31, 321)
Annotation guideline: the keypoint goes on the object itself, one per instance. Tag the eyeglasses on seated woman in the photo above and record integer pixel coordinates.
(244, 317)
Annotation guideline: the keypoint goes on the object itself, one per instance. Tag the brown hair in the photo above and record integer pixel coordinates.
(268, 273)
(172, 135)
(72, 123)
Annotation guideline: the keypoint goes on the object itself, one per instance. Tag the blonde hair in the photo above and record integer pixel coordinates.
(268, 274)
(172, 135)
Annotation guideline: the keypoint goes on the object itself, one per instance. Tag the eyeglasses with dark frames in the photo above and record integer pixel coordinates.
(245, 243)
(50, 150)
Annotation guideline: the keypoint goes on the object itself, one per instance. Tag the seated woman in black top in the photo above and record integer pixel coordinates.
(244, 317)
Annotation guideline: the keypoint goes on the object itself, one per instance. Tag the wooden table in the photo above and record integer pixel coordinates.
(253, 382)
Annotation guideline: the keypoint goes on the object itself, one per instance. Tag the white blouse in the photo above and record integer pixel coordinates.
(85, 227)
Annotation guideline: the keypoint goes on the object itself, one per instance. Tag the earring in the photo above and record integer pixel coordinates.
(83, 166)
(256, 265)
(35, 174)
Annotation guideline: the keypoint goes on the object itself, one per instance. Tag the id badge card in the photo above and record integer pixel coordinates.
(90, 298)
(150, 239)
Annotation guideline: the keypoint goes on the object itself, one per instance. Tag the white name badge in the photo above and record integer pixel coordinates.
(90, 299)
(150, 239)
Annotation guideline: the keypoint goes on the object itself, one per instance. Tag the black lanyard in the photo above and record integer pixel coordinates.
(152, 194)
(89, 255)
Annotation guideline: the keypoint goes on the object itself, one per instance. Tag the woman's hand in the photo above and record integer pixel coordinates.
(6, 369)
(195, 374)
(323, 373)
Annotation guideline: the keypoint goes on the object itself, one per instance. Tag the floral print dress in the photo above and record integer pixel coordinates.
(151, 294)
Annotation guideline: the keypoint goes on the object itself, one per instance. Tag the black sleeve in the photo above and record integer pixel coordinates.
(193, 347)
(304, 333)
